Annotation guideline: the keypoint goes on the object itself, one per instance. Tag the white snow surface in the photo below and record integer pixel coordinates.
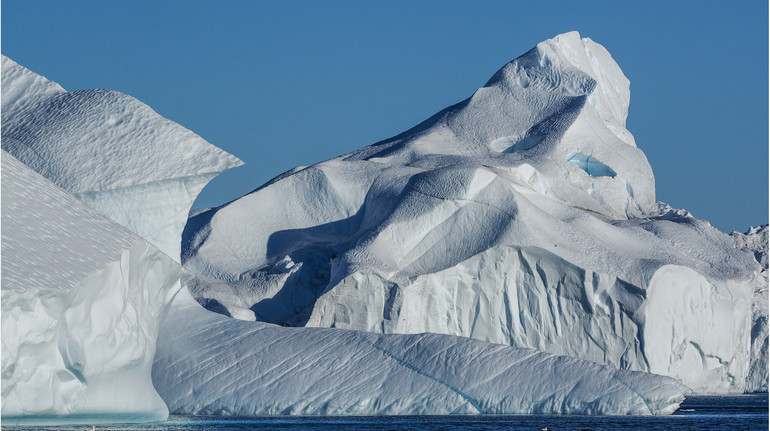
(210, 364)
(111, 150)
(524, 215)
(755, 241)
(82, 301)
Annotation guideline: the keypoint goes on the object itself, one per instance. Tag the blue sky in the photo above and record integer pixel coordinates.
(287, 83)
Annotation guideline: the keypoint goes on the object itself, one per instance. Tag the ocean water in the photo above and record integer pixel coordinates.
(743, 412)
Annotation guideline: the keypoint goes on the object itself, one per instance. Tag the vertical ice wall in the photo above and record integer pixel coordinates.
(111, 150)
(755, 241)
(82, 303)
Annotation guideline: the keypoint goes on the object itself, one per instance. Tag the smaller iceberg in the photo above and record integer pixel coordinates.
(82, 301)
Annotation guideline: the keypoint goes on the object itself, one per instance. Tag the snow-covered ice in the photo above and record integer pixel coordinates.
(755, 241)
(110, 150)
(524, 215)
(210, 364)
(435, 264)
(82, 301)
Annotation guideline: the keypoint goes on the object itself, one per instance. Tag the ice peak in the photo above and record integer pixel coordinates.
(576, 66)
(563, 99)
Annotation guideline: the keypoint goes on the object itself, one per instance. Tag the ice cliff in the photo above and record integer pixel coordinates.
(755, 241)
(82, 302)
(111, 151)
(524, 215)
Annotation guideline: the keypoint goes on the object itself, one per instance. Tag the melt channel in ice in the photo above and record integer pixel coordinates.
(210, 364)
(524, 215)
(111, 151)
(82, 302)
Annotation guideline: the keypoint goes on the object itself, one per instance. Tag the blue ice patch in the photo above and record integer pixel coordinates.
(591, 166)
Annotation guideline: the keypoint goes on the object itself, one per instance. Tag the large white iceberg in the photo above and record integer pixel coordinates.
(524, 215)
(111, 151)
(82, 302)
(210, 364)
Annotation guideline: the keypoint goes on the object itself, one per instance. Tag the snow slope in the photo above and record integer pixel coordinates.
(524, 215)
(82, 301)
(207, 363)
(110, 150)
(755, 241)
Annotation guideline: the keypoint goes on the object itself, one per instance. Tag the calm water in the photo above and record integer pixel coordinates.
(745, 412)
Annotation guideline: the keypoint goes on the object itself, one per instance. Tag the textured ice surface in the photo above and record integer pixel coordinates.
(475, 223)
(113, 151)
(755, 241)
(23, 88)
(207, 363)
(82, 301)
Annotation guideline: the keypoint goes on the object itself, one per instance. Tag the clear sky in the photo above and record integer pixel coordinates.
(287, 83)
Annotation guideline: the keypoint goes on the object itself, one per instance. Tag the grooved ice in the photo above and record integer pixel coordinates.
(211, 364)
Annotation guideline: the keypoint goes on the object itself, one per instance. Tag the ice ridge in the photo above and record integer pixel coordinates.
(110, 150)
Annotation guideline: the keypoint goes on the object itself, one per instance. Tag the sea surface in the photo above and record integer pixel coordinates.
(743, 412)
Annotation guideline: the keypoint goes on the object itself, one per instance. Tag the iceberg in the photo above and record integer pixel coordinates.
(82, 302)
(210, 364)
(111, 151)
(755, 241)
(79, 336)
(504, 256)
(524, 215)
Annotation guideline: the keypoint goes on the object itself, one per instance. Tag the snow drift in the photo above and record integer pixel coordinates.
(210, 364)
(82, 302)
(111, 151)
(524, 215)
